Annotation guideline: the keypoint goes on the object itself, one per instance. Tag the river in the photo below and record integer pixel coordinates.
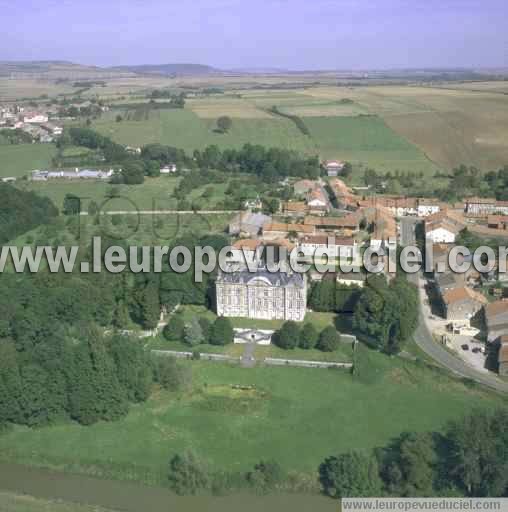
(133, 497)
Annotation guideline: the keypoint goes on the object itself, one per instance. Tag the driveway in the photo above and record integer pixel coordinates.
(248, 360)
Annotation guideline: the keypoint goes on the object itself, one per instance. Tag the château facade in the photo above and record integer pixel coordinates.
(261, 294)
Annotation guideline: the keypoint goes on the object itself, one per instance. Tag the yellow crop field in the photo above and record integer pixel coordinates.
(212, 108)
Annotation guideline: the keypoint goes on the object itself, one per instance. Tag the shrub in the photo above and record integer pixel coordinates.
(187, 474)
(266, 476)
(288, 335)
(329, 339)
(308, 337)
(174, 329)
(221, 332)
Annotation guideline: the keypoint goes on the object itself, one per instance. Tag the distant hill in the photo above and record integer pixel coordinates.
(55, 69)
(168, 69)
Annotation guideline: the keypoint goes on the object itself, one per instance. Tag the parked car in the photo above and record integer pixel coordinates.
(476, 350)
(465, 346)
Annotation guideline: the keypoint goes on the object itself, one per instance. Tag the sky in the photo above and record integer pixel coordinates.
(288, 34)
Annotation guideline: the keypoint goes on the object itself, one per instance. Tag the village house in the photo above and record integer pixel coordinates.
(497, 222)
(462, 303)
(333, 167)
(448, 281)
(294, 208)
(75, 174)
(342, 248)
(34, 118)
(249, 250)
(261, 295)
(398, 206)
(168, 169)
(402, 206)
(248, 224)
(483, 206)
(427, 207)
(440, 256)
(385, 226)
(136, 151)
(53, 129)
(246, 250)
(273, 230)
(349, 222)
(317, 201)
(440, 228)
(496, 319)
(343, 195)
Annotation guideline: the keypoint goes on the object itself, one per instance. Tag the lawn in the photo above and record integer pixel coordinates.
(296, 416)
(320, 320)
(19, 159)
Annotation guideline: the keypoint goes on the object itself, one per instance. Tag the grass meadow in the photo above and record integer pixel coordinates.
(18, 160)
(154, 193)
(366, 140)
(296, 416)
(185, 129)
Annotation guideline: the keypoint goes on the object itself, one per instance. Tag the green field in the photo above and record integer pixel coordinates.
(337, 131)
(184, 129)
(19, 160)
(367, 140)
(297, 416)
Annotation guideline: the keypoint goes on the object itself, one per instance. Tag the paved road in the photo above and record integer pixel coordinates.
(423, 338)
(165, 212)
(423, 334)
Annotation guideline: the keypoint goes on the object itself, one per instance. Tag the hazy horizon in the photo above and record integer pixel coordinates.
(291, 35)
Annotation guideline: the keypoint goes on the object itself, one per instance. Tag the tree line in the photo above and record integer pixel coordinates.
(291, 336)
(199, 331)
(16, 136)
(467, 459)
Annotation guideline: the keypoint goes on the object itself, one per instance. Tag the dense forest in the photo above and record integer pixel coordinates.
(21, 211)
(56, 360)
